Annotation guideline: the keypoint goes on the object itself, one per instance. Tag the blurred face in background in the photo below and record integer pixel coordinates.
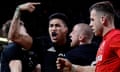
(74, 35)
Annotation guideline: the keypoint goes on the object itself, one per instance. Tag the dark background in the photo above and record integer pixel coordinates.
(37, 22)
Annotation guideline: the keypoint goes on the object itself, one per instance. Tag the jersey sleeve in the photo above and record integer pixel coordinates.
(115, 44)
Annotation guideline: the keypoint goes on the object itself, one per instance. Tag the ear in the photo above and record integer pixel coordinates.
(66, 29)
(81, 38)
(103, 20)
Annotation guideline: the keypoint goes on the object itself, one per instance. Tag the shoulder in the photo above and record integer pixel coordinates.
(115, 40)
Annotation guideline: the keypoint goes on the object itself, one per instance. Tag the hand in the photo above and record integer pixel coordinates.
(29, 6)
(64, 65)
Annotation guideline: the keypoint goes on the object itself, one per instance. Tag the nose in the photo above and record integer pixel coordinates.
(53, 28)
(70, 35)
(90, 24)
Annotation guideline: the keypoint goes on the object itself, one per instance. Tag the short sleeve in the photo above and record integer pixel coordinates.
(115, 44)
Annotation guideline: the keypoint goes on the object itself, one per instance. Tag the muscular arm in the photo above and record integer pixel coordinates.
(17, 32)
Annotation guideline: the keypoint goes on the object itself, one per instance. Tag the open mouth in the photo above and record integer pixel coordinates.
(54, 34)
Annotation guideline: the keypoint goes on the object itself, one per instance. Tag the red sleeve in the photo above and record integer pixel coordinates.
(115, 44)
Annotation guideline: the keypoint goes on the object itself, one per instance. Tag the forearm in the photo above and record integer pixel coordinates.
(78, 68)
(15, 25)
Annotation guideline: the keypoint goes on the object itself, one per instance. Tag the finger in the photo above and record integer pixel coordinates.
(58, 66)
(32, 7)
(57, 61)
(59, 58)
(37, 3)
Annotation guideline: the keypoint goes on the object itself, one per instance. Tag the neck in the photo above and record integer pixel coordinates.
(62, 42)
(107, 29)
(82, 43)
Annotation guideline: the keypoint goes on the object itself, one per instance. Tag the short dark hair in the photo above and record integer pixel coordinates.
(104, 6)
(61, 16)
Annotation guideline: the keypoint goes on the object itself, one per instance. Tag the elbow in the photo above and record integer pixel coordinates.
(27, 47)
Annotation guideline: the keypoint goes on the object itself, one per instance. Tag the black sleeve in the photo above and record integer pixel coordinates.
(40, 44)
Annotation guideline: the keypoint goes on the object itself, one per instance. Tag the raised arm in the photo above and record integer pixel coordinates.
(65, 66)
(17, 32)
